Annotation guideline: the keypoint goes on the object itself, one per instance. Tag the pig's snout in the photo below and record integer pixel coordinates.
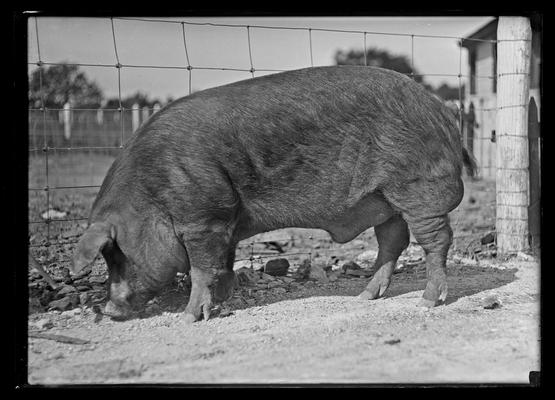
(117, 311)
(125, 302)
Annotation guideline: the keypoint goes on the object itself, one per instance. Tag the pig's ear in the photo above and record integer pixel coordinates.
(90, 244)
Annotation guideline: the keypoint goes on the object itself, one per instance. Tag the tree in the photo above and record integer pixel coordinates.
(60, 84)
(400, 63)
(127, 102)
(447, 92)
(377, 58)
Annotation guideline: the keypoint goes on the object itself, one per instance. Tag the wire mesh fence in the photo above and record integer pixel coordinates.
(66, 172)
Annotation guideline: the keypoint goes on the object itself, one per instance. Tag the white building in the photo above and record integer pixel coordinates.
(480, 91)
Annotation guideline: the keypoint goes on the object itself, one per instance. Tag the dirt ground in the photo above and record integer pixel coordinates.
(292, 330)
(318, 333)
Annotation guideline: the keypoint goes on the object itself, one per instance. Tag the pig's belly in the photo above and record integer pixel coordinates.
(370, 211)
(345, 225)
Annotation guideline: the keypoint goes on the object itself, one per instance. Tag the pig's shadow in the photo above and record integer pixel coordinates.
(463, 281)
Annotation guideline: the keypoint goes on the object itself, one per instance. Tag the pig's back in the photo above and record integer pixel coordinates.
(331, 133)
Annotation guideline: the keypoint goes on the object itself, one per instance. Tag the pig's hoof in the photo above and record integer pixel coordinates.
(375, 289)
(426, 303)
(116, 312)
(433, 294)
(189, 318)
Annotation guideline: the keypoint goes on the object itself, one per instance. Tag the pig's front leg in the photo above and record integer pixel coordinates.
(212, 276)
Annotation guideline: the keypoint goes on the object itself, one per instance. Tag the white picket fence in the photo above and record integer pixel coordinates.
(138, 116)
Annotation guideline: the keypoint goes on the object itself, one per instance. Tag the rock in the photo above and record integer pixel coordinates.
(359, 244)
(524, 257)
(74, 299)
(71, 313)
(488, 238)
(489, 253)
(251, 302)
(318, 273)
(66, 275)
(274, 284)
(464, 260)
(286, 279)
(53, 214)
(469, 261)
(277, 267)
(246, 276)
(98, 288)
(235, 302)
(304, 269)
(242, 264)
(359, 272)
(61, 304)
(34, 305)
(98, 279)
(153, 309)
(97, 299)
(34, 275)
(34, 285)
(82, 288)
(350, 265)
(82, 274)
(331, 261)
(275, 246)
(327, 267)
(258, 264)
(66, 289)
(332, 276)
(491, 302)
(43, 324)
(56, 356)
(46, 297)
(279, 290)
(368, 257)
(266, 278)
(83, 298)
(338, 268)
(81, 282)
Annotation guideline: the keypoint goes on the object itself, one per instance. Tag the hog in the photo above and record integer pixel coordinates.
(341, 149)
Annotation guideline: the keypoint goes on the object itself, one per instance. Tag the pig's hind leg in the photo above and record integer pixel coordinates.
(425, 204)
(435, 236)
(393, 237)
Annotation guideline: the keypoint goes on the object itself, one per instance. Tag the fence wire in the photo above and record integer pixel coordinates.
(121, 111)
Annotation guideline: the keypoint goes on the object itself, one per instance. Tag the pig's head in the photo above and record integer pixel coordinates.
(142, 256)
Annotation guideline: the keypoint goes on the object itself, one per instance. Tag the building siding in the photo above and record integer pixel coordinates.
(485, 101)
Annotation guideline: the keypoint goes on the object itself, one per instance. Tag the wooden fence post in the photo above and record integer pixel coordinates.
(135, 118)
(514, 37)
(534, 211)
(67, 120)
(100, 116)
(146, 113)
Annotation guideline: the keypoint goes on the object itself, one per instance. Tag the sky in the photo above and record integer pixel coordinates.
(143, 44)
